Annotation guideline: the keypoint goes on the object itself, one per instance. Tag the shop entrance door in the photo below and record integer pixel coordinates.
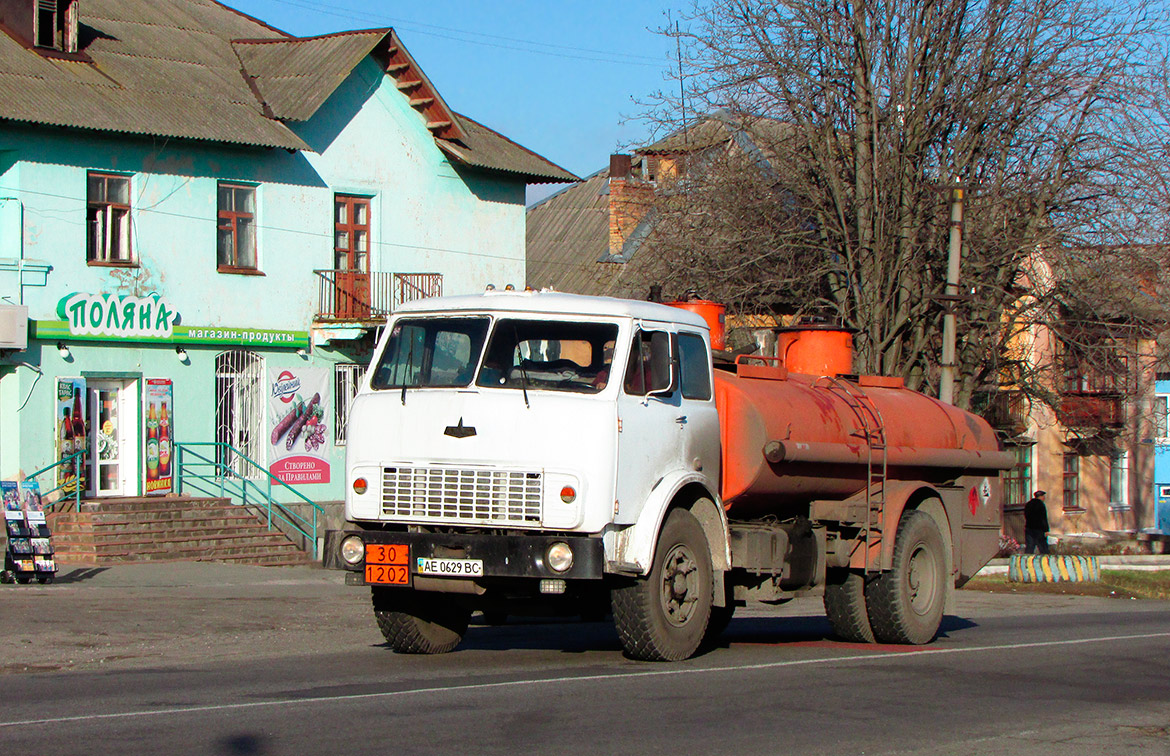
(113, 437)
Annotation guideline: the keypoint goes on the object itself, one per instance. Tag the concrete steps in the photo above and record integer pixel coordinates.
(126, 530)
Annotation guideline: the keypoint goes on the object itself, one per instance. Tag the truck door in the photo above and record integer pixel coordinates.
(650, 419)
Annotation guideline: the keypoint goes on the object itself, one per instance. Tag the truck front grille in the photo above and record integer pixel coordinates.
(462, 495)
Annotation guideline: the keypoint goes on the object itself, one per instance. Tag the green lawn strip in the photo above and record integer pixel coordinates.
(1119, 583)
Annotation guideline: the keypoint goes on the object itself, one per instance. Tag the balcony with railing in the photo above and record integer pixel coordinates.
(348, 296)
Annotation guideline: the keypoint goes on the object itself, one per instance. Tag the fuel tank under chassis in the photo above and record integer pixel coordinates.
(798, 438)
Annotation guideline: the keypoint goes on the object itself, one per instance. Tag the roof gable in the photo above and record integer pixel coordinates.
(197, 69)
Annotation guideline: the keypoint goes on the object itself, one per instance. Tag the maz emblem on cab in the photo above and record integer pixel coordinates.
(459, 431)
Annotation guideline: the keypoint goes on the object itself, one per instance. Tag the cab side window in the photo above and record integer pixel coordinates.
(648, 369)
(694, 366)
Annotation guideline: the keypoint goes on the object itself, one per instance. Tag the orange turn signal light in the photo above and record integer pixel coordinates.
(360, 485)
(568, 494)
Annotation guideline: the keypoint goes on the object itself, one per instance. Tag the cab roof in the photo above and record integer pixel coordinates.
(553, 303)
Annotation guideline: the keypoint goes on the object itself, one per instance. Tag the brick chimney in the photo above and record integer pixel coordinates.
(630, 199)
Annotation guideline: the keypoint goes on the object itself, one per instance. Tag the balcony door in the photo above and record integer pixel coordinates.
(351, 253)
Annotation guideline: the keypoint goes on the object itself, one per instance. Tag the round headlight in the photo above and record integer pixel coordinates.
(360, 485)
(353, 550)
(559, 557)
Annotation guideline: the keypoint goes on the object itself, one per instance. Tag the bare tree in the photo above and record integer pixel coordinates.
(1043, 111)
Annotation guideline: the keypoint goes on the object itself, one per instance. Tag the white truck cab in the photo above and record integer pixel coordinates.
(519, 445)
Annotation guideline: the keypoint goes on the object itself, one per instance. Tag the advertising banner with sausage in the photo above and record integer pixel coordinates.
(297, 423)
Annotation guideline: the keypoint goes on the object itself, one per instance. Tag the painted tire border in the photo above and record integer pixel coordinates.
(1053, 568)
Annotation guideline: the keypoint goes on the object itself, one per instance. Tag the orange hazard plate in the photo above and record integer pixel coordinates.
(388, 563)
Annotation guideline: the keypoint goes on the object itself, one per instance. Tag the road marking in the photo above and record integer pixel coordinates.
(885, 656)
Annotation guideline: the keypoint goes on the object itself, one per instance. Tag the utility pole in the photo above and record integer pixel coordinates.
(946, 384)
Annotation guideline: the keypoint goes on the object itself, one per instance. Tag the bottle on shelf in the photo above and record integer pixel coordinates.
(164, 443)
(151, 444)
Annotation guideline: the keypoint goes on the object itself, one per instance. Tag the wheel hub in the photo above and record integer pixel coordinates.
(679, 585)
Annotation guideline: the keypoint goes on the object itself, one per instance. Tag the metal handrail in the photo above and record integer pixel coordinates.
(231, 484)
(75, 458)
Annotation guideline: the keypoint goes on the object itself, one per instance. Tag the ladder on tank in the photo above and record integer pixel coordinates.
(872, 430)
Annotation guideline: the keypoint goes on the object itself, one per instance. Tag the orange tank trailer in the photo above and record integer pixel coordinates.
(791, 438)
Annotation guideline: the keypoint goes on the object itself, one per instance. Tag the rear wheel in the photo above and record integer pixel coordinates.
(664, 616)
(845, 606)
(415, 622)
(905, 605)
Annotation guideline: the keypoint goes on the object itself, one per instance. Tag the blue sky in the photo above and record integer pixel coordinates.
(560, 78)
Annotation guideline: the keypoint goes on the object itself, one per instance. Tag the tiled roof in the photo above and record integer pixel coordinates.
(197, 69)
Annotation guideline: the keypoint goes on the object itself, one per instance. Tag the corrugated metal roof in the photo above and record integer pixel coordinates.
(296, 76)
(197, 69)
(484, 148)
(567, 235)
(155, 68)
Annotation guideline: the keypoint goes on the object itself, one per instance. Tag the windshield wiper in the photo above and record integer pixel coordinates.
(523, 370)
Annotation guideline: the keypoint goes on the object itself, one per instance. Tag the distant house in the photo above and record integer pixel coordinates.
(209, 219)
(597, 237)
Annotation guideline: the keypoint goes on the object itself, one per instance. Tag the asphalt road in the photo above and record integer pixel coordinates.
(280, 662)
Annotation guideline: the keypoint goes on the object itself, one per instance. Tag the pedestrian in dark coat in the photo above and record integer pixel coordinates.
(1036, 525)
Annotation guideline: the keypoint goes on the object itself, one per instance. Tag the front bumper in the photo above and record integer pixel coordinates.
(503, 556)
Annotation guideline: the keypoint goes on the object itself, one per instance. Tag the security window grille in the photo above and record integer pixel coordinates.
(108, 215)
(236, 241)
(1072, 471)
(346, 379)
(1017, 482)
(239, 413)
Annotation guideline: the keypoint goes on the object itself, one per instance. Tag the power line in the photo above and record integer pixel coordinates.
(328, 237)
(463, 35)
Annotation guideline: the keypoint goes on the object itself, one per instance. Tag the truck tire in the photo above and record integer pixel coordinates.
(663, 616)
(905, 605)
(845, 606)
(419, 623)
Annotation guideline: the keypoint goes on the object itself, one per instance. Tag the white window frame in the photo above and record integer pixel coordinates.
(1161, 419)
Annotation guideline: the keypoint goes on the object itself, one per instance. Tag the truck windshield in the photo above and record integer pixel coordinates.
(431, 352)
(549, 355)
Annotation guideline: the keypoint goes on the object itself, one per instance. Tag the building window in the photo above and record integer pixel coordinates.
(56, 25)
(239, 413)
(1072, 471)
(108, 215)
(1161, 426)
(1119, 480)
(1017, 482)
(346, 379)
(351, 227)
(236, 240)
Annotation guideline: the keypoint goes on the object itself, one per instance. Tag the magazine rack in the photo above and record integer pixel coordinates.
(28, 552)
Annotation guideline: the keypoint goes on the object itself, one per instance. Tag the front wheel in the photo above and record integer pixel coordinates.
(905, 605)
(663, 616)
(416, 622)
